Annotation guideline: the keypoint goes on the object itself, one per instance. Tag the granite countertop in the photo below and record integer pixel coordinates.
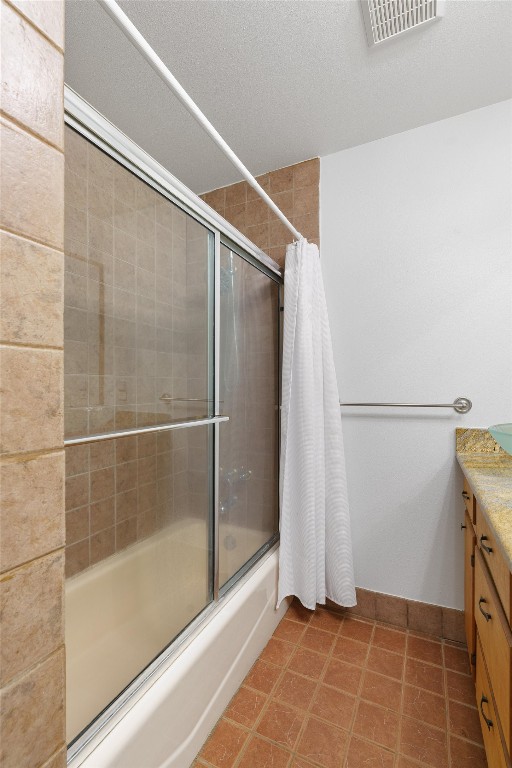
(488, 469)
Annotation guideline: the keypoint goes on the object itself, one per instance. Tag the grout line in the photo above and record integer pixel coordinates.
(31, 132)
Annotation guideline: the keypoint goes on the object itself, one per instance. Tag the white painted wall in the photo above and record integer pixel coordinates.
(417, 260)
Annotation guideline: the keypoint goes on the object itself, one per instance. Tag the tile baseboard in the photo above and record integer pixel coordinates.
(435, 620)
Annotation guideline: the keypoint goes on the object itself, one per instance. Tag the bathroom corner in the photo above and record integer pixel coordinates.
(32, 673)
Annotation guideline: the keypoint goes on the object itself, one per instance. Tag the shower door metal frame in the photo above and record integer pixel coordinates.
(92, 126)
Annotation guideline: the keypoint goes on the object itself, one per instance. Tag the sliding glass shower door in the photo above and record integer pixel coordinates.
(249, 393)
(139, 351)
(168, 333)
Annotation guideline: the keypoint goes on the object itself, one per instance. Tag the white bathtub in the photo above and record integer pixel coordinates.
(169, 718)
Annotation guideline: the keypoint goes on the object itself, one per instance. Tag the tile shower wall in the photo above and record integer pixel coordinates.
(294, 189)
(136, 329)
(32, 459)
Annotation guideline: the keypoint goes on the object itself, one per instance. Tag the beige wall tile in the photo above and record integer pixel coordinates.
(102, 515)
(103, 544)
(281, 180)
(32, 500)
(77, 491)
(32, 725)
(75, 150)
(32, 613)
(32, 172)
(77, 557)
(25, 55)
(32, 391)
(77, 459)
(31, 293)
(216, 199)
(77, 525)
(47, 16)
(258, 212)
(236, 194)
(102, 484)
(306, 173)
(305, 200)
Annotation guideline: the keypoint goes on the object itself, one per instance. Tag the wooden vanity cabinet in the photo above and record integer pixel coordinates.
(469, 589)
(487, 611)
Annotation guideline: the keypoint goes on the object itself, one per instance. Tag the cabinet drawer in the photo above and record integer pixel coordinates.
(469, 500)
(496, 640)
(494, 748)
(494, 559)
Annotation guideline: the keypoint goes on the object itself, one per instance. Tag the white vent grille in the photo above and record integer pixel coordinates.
(387, 18)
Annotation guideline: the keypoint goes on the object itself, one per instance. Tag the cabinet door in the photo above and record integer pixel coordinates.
(469, 589)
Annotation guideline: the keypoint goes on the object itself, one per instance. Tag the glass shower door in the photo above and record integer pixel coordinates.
(138, 357)
(249, 394)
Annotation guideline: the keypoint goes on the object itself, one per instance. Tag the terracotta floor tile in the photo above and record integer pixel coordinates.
(456, 659)
(262, 754)
(277, 652)
(376, 724)
(290, 631)
(307, 662)
(460, 687)
(245, 707)
(281, 723)
(406, 762)
(424, 675)
(351, 651)
(382, 690)
(385, 662)
(344, 676)
(263, 676)
(357, 630)
(317, 640)
(464, 754)
(425, 706)
(224, 745)
(362, 754)
(295, 690)
(425, 650)
(390, 639)
(465, 721)
(297, 612)
(424, 743)
(335, 706)
(327, 620)
(323, 743)
(336, 691)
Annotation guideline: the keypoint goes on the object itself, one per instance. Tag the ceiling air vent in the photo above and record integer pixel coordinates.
(385, 19)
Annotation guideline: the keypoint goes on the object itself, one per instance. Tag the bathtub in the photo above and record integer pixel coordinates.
(169, 717)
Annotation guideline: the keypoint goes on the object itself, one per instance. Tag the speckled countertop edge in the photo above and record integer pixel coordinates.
(490, 476)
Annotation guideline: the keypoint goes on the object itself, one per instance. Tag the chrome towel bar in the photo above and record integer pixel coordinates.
(461, 405)
(144, 430)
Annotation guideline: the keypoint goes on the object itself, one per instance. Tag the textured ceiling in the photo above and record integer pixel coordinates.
(281, 80)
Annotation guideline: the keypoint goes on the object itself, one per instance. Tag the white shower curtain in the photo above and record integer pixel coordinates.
(315, 558)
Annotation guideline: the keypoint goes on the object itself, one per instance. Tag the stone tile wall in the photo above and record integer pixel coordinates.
(31, 358)
(294, 189)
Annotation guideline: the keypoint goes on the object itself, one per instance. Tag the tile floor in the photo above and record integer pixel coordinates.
(342, 692)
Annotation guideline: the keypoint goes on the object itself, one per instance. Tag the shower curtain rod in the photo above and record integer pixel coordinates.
(135, 37)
